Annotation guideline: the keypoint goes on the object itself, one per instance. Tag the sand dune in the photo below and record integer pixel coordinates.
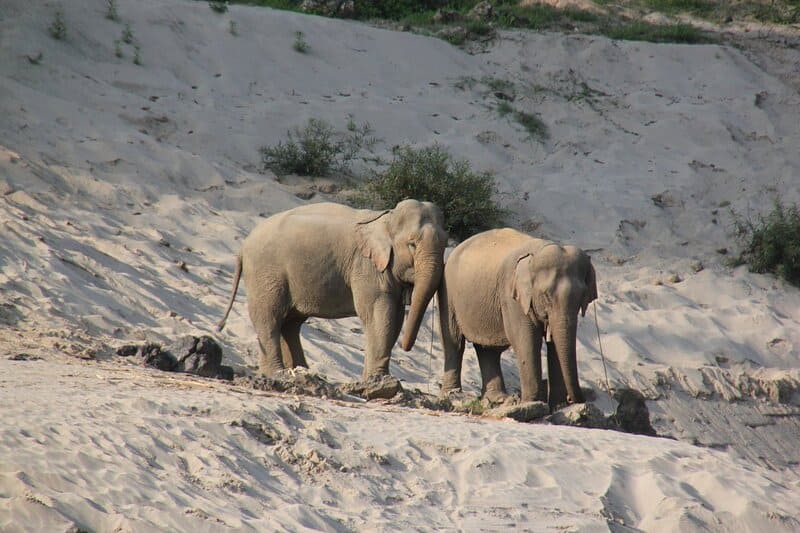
(125, 192)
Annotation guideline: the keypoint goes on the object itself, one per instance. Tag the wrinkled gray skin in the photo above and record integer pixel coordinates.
(505, 288)
(331, 261)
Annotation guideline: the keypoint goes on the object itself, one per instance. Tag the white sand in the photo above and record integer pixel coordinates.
(103, 163)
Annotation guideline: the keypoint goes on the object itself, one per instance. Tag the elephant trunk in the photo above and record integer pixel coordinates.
(564, 331)
(427, 275)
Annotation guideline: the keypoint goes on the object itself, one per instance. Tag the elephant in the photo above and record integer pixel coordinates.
(329, 260)
(505, 288)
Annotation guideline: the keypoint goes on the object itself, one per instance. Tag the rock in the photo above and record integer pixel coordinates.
(521, 412)
(579, 414)
(482, 11)
(632, 415)
(152, 355)
(127, 350)
(378, 386)
(201, 356)
(225, 372)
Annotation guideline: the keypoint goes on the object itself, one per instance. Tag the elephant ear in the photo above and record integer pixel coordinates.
(523, 283)
(591, 289)
(374, 240)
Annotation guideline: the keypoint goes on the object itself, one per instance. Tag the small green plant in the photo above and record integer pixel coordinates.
(430, 173)
(535, 127)
(695, 7)
(137, 58)
(118, 48)
(476, 407)
(58, 28)
(233, 28)
(111, 10)
(127, 34)
(218, 6)
(772, 244)
(500, 85)
(300, 44)
(644, 31)
(317, 149)
(504, 108)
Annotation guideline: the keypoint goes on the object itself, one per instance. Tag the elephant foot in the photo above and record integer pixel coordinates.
(495, 397)
(450, 392)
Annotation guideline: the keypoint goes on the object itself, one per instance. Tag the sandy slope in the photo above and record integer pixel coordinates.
(125, 189)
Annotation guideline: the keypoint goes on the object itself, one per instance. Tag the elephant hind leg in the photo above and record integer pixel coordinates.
(494, 388)
(291, 349)
(267, 320)
(270, 360)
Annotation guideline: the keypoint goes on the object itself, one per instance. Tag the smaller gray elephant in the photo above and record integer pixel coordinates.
(505, 288)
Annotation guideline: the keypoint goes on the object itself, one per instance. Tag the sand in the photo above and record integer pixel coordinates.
(126, 189)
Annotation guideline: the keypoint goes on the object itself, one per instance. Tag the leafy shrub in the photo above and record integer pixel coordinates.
(58, 28)
(111, 11)
(431, 174)
(127, 34)
(644, 31)
(300, 43)
(772, 244)
(218, 6)
(317, 149)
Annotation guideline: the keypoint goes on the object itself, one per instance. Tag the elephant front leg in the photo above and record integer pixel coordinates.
(526, 340)
(557, 389)
(382, 322)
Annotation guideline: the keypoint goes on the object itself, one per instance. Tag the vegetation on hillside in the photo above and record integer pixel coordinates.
(430, 173)
(772, 243)
(459, 21)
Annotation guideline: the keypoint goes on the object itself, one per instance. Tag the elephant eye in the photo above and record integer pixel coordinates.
(412, 246)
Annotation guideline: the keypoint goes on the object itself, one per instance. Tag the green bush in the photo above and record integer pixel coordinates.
(431, 174)
(300, 44)
(58, 28)
(655, 33)
(317, 149)
(772, 244)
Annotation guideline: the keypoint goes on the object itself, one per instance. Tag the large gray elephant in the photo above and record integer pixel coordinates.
(505, 288)
(331, 261)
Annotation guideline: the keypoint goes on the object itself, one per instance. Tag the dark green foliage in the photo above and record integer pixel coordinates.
(533, 125)
(111, 10)
(317, 149)
(218, 6)
(504, 108)
(695, 7)
(300, 44)
(510, 14)
(644, 31)
(58, 28)
(773, 243)
(431, 174)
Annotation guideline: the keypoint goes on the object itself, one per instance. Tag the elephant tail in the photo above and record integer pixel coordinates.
(236, 276)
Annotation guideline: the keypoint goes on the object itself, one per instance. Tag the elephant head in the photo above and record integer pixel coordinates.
(553, 283)
(408, 242)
